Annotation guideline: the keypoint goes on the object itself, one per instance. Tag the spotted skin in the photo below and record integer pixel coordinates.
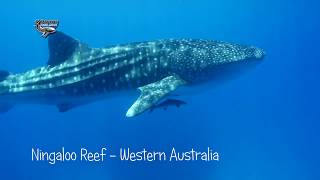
(90, 72)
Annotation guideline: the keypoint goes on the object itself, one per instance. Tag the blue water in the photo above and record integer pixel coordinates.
(264, 123)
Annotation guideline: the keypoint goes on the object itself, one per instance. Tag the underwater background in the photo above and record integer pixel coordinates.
(264, 123)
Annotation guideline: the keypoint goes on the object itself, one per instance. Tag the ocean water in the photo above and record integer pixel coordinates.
(264, 123)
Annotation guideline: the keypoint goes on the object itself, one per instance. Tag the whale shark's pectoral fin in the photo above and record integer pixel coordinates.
(153, 93)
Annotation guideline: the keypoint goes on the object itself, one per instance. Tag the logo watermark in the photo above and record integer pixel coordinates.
(46, 27)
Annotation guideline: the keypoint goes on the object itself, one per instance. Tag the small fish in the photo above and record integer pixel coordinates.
(168, 102)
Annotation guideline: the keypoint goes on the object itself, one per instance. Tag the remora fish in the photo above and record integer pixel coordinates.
(166, 103)
(77, 74)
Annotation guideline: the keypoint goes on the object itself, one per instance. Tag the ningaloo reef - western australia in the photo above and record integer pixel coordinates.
(125, 154)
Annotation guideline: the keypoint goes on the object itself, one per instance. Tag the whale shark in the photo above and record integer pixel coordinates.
(76, 74)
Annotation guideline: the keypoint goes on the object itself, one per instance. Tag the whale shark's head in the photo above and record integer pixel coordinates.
(200, 59)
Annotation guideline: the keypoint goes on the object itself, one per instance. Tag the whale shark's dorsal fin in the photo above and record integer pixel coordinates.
(62, 47)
